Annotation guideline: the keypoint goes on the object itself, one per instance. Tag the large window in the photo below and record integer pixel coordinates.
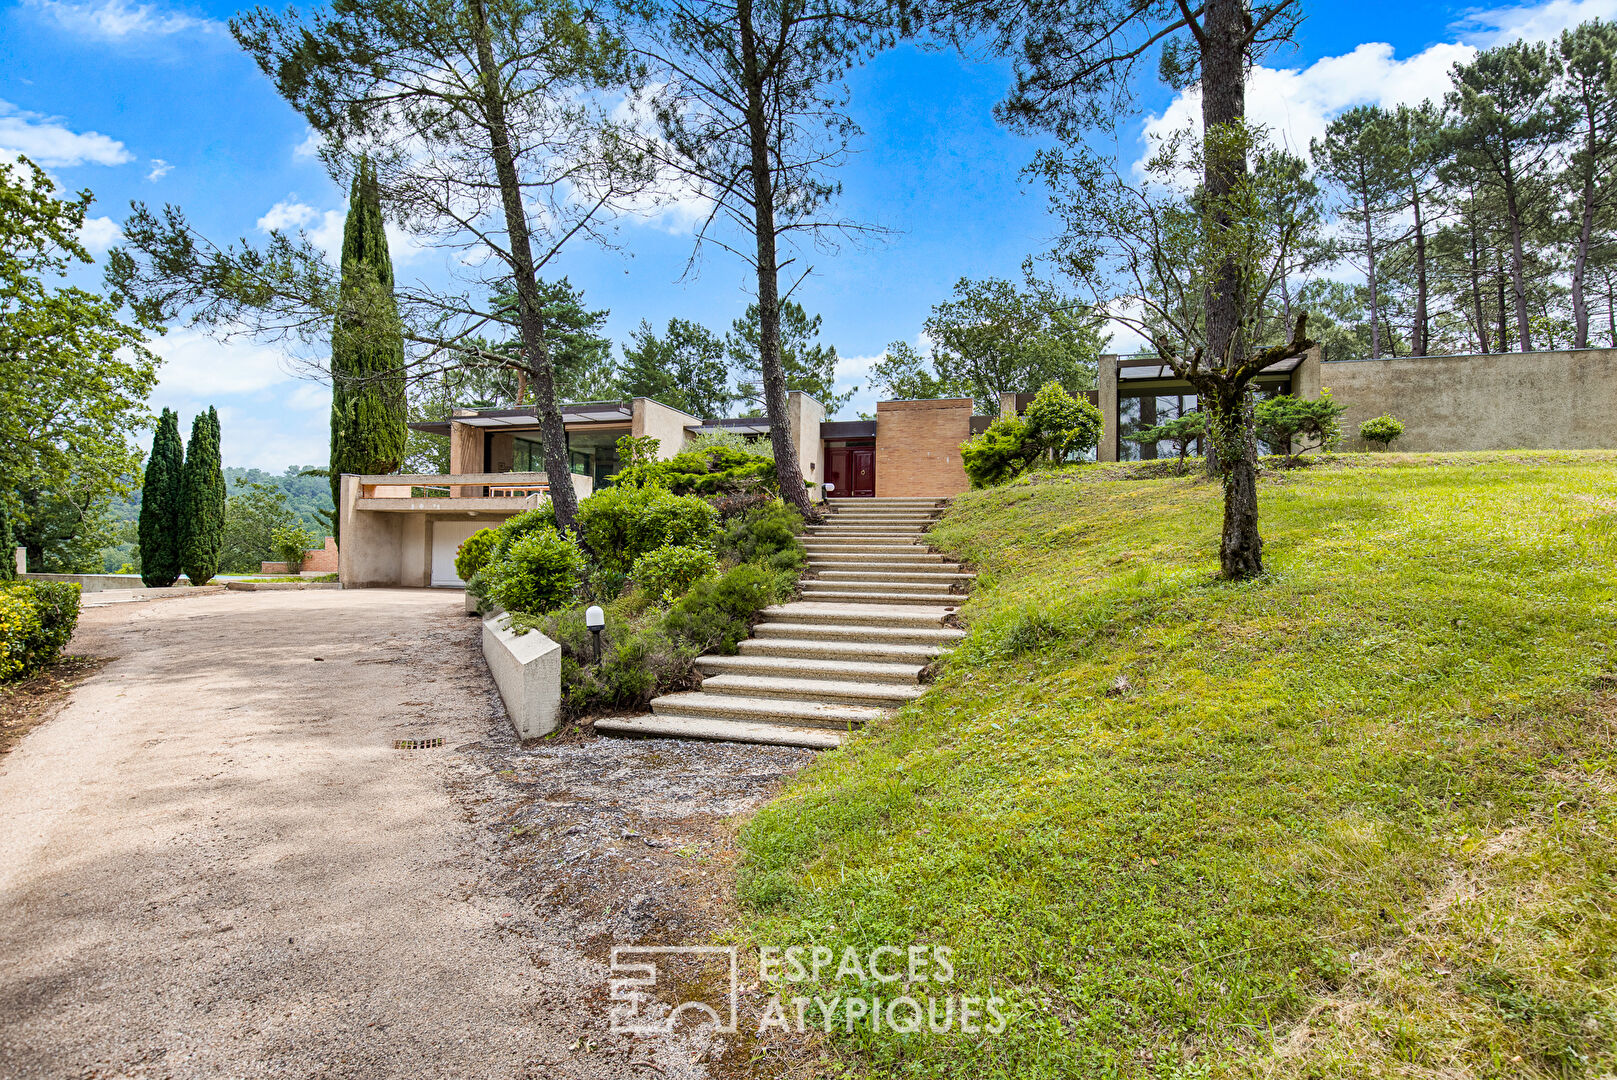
(527, 456)
(1138, 411)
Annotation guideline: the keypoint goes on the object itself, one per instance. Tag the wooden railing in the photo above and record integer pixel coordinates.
(455, 485)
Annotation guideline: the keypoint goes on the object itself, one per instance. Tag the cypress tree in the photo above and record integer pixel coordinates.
(160, 506)
(202, 501)
(367, 350)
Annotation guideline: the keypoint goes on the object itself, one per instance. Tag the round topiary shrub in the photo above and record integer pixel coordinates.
(537, 573)
(1381, 430)
(668, 572)
(474, 553)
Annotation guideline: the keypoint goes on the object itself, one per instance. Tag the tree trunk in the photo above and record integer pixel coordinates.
(1370, 277)
(1285, 307)
(776, 402)
(1476, 289)
(535, 353)
(1418, 342)
(1504, 316)
(1580, 266)
(1223, 56)
(1518, 266)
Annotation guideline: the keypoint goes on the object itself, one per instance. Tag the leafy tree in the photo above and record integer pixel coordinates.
(1183, 431)
(752, 115)
(489, 132)
(202, 501)
(905, 375)
(993, 337)
(684, 368)
(1507, 123)
(253, 516)
(1588, 55)
(1414, 135)
(64, 531)
(160, 559)
(1062, 425)
(809, 366)
(367, 352)
(74, 378)
(1297, 207)
(1357, 153)
(580, 353)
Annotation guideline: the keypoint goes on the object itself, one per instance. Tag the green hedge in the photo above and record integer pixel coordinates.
(36, 620)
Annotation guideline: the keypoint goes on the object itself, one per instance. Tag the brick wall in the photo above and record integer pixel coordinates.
(320, 560)
(918, 447)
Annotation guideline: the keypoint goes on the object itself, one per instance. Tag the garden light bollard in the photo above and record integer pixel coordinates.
(595, 622)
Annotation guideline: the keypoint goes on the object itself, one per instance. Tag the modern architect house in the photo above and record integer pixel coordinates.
(404, 530)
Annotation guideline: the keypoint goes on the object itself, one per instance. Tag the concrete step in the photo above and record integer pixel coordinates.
(941, 589)
(840, 541)
(889, 500)
(851, 595)
(857, 634)
(797, 667)
(706, 727)
(827, 691)
(916, 559)
(877, 572)
(858, 650)
(862, 531)
(764, 710)
(829, 613)
(900, 517)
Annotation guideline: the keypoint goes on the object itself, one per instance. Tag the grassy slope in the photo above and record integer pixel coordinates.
(1358, 818)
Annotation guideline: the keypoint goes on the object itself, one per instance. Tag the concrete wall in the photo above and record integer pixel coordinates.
(804, 416)
(918, 447)
(1564, 400)
(662, 422)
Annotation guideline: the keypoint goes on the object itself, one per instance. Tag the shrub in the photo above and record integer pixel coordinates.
(711, 470)
(475, 552)
(638, 661)
(291, 543)
(1381, 430)
(669, 571)
(1284, 420)
(620, 524)
(1063, 426)
(718, 611)
(538, 572)
(999, 454)
(36, 620)
(1181, 431)
(767, 534)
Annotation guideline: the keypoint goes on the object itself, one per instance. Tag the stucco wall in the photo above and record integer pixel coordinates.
(918, 447)
(661, 422)
(804, 417)
(1563, 400)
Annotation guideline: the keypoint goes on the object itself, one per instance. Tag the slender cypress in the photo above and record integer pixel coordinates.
(160, 506)
(367, 349)
(202, 501)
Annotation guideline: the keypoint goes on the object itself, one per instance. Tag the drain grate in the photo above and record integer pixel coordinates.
(417, 744)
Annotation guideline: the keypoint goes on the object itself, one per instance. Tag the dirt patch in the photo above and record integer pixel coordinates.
(30, 702)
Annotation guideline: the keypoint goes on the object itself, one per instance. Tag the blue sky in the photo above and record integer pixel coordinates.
(153, 101)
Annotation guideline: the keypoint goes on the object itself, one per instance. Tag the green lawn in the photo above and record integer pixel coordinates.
(1358, 818)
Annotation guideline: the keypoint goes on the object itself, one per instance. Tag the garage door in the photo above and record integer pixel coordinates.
(447, 537)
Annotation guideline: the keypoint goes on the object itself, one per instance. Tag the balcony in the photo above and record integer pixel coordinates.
(503, 493)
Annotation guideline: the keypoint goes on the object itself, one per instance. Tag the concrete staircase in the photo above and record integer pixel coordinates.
(858, 642)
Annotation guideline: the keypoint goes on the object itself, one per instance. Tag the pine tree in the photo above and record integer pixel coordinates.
(160, 506)
(202, 501)
(368, 408)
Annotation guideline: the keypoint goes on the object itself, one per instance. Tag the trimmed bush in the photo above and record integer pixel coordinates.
(36, 620)
(537, 573)
(159, 528)
(669, 571)
(1381, 430)
(620, 524)
(767, 534)
(717, 614)
(999, 454)
(474, 553)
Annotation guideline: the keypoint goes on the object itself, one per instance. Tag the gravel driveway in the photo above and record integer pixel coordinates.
(214, 863)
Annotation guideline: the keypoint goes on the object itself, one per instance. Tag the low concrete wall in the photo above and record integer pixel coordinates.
(1564, 400)
(97, 582)
(527, 669)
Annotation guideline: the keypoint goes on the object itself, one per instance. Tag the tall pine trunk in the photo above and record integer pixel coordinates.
(1370, 275)
(1418, 341)
(776, 403)
(1476, 286)
(535, 349)
(1518, 263)
(1223, 55)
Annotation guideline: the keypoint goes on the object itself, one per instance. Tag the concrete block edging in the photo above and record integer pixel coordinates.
(527, 669)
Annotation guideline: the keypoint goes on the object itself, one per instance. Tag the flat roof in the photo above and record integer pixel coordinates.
(587, 412)
(736, 425)
(1156, 369)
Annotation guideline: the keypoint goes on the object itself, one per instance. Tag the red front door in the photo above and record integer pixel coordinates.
(862, 472)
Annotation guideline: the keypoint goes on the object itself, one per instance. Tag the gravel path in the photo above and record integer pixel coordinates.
(213, 862)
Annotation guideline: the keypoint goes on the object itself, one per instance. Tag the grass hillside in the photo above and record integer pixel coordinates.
(1357, 818)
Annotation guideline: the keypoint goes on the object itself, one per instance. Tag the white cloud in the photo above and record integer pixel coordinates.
(99, 234)
(45, 141)
(160, 169)
(310, 396)
(309, 147)
(116, 19)
(199, 367)
(1534, 23)
(286, 214)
